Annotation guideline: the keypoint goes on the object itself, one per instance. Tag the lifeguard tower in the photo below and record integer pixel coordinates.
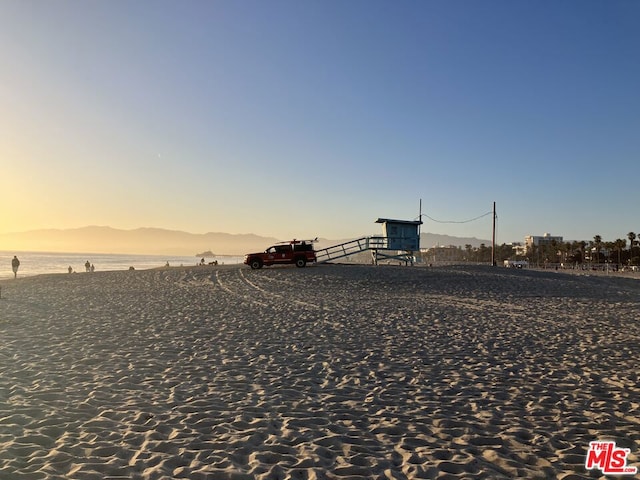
(399, 241)
(401, 237)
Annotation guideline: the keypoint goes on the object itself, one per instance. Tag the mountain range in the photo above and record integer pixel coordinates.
(151, 241)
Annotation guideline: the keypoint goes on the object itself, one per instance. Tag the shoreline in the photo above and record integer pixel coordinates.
(37, 263)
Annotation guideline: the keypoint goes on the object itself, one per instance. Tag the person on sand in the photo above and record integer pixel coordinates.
(93, 268)
(87, 266)
(15, 264)
(70, 269)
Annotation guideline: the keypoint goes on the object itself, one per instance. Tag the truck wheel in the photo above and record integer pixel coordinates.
(301, 262)
(256, 263)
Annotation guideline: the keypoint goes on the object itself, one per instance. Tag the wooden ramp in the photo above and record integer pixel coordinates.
(350, 248)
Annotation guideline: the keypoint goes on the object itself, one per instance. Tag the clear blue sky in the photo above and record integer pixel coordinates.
(304, 118)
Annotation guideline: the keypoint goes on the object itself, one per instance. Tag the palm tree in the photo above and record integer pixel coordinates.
(619, 245)
(583, 245)
(632, 239)
(575, 249)
(609, 247)
(482, 251)
(597, 243)
(556, 251)
(468, 247)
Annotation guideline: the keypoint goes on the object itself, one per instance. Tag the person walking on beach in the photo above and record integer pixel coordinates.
(15, 264)
(87, 266)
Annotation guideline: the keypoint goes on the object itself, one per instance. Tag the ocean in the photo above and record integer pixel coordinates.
(38, 263)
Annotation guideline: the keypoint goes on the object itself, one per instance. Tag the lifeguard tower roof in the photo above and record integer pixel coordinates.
(404, 222)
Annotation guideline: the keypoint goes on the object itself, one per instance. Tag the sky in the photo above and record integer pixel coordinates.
(293, 118)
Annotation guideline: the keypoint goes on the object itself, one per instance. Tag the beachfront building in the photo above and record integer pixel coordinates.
(531, 241)
(518, 249)
(442, 254)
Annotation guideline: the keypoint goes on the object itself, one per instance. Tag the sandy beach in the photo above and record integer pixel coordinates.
(326, 372)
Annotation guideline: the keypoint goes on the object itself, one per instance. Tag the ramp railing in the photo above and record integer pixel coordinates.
(350, 248)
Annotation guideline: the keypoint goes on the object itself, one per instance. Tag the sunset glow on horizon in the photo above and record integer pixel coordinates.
(285, 117)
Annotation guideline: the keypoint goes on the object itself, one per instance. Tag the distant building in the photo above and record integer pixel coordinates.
(547, 239)
(518, 248)
(437, 254)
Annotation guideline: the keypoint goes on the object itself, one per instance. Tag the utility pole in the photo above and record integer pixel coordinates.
(493, 239)
(419, 233)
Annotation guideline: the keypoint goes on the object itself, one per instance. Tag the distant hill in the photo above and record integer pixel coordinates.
(149, 241)
(98, 239)
(428, 240)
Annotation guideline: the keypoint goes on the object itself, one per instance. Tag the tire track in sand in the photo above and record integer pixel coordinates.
(271, 294)
(216, 280)
(244, 288)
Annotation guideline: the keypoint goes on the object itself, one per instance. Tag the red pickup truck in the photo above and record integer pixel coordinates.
(299, 252)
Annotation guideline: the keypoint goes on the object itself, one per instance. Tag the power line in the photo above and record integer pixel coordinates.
(458, 221)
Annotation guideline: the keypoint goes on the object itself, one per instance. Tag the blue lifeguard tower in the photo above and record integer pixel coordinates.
(399, 241)
(401, 237)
